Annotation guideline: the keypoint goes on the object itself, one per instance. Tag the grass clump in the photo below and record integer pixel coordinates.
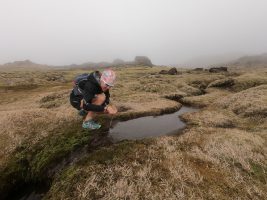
(259, 172)
(247, 103)
(249, 80)
(32, 163)
(220, 155)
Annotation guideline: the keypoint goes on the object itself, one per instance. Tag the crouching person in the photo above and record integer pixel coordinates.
(90, 95)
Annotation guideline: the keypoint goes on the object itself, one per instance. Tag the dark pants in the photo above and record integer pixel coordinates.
(75, 101)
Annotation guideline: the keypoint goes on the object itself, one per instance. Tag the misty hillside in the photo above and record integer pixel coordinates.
(211, 60)
(29, 65)
(23, 65)
(138, 60)
(235, 60)
(250, 61)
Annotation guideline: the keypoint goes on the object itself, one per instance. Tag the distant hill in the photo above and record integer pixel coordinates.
(211, 60)
(23, 65)
(233, 60)
(88, 65)
(251, 61)
(28, 65)
(139, 60)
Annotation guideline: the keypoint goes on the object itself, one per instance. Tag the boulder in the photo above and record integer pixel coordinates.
(218, 69)
(173, 71)
(163, 72)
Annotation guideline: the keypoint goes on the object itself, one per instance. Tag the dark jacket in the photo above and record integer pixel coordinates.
(89, 89)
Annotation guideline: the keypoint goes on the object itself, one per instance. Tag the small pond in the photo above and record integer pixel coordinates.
(150, 126)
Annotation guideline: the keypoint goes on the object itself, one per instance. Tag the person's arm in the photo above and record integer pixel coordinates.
(88, 95)
(91, 107)
(107, 94)
(111, 109)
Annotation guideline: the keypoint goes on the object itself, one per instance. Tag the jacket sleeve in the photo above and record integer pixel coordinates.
(107, 101)
(88, 95)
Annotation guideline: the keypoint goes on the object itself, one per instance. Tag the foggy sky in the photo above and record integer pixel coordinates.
(59, 32)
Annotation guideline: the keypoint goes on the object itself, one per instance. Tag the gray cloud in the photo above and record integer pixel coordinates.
(171, 31)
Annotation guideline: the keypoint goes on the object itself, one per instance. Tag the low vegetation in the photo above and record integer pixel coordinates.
(220, 155)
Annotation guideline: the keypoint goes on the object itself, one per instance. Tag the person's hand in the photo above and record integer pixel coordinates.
(111, 109)
(81, 105)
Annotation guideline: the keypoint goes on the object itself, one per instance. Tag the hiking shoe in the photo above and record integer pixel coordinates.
(90, 124)
(82, 112)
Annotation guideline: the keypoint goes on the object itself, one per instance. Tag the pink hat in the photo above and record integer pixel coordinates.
(108, 77)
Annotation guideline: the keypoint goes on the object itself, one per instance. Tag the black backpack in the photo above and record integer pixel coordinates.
(79, 82)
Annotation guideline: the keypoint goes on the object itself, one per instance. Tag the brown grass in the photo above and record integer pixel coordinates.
(203, 163)
(205, 99)
(221, 154)
(250, 102)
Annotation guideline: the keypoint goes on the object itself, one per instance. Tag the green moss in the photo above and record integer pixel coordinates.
(55, 150)
(259, 172)
(13, 174)
(110, 154)
(30, 164)
(105, 156)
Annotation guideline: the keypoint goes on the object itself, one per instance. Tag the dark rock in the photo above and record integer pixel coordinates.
(173, 71)
(218, 69)
(163, 72)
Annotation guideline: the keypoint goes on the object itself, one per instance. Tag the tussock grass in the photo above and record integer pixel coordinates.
(221, 154)
(29, 125)
(139, 178)
(210, 118)
(247, 103)
(192, 166)
(17, 79)
(206, 99)
(222, 83)
(248, 80)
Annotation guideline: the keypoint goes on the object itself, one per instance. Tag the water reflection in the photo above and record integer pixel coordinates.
(150, 126)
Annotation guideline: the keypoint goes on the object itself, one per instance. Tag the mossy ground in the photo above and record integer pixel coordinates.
(31, 163)
(221, 155)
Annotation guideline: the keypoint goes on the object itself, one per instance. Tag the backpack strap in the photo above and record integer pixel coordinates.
(97, 76)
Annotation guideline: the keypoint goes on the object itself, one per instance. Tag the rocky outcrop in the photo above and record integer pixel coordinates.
(218, 69)
(143, 60)
(163, 72)
(172, 71)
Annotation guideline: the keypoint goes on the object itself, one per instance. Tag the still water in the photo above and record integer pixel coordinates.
(151, 126)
